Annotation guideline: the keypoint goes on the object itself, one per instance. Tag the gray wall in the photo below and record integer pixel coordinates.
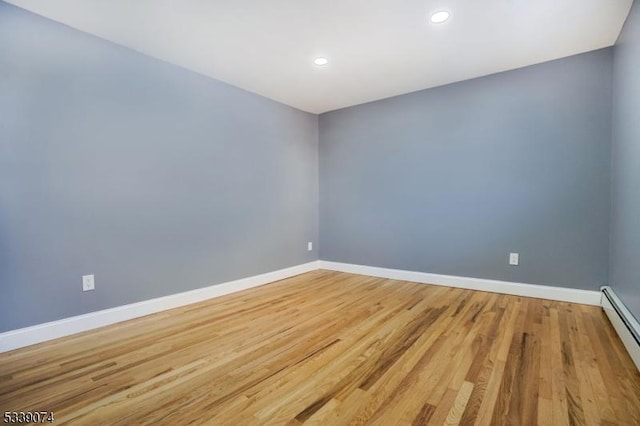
(153, 178)
(159, 180)
(625, 212)
(450, 180)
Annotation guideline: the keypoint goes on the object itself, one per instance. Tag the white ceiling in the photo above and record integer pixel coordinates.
(376, 48)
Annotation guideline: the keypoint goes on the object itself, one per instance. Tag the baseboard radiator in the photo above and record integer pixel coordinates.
(623, 321)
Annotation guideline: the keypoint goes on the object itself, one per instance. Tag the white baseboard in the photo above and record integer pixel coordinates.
(562, 294)
(633, 347)
(15, 339)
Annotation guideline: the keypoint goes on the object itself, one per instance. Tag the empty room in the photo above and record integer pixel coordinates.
(313, 212)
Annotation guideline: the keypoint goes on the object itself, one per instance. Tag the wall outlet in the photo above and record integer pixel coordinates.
(309, 246)
(88, 282)
(514, 259)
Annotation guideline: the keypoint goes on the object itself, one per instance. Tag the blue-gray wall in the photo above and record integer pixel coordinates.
(625, 211)
(450, 180)
(159, 180)
(153, 178)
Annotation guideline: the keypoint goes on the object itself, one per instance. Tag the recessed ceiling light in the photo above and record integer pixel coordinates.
(321, 61)
(440, 16)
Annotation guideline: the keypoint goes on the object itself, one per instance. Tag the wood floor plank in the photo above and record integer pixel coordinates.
(335, 348)
(576, 401)
(560, 408)
(496, 365)
(459, 404)
(508, 403)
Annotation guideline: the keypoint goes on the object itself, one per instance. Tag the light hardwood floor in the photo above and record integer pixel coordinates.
(334, 348)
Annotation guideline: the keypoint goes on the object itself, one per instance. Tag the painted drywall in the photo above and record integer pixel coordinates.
(625, 211)
(450, 180)
(153, 178)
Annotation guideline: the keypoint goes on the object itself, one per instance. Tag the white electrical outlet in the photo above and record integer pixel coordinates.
(309, 246)
(514, 259)
(88, 282)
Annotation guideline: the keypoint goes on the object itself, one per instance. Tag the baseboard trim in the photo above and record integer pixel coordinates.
(562, 294)
(27, 336)
(618, 317)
